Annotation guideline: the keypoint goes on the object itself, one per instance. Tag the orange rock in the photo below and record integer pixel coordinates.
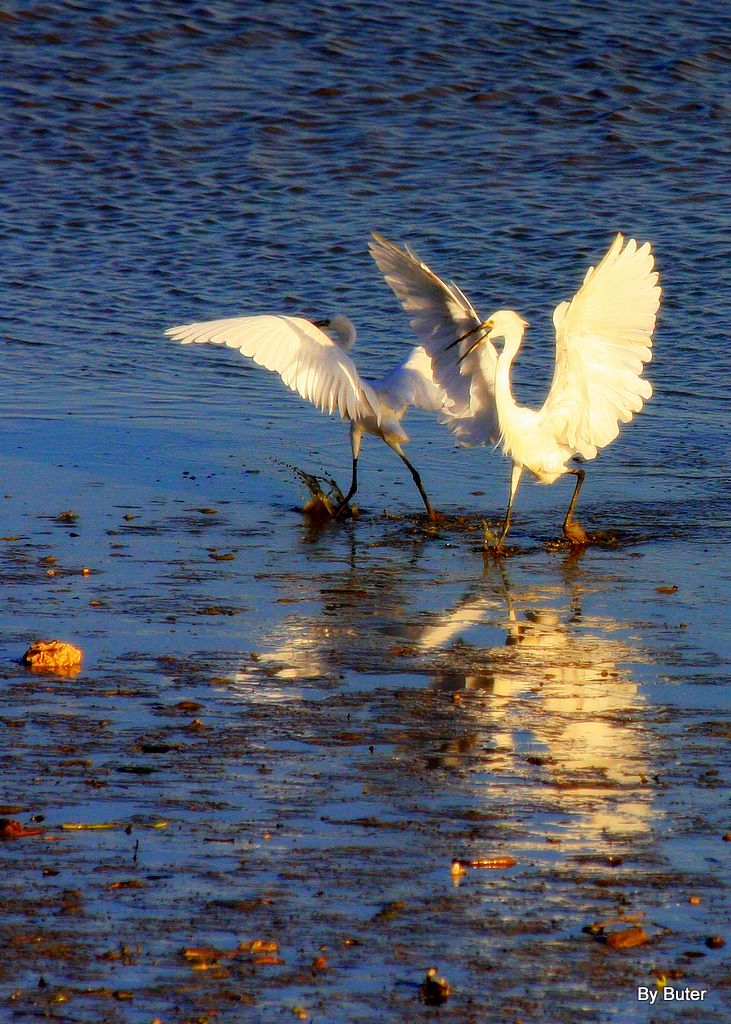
(11, 829)
(627, 938)
(202, 958)
(259, 946)
(53, 656)
(458, 866)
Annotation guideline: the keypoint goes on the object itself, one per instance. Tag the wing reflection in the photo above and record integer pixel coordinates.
(558, 700)
(555, 684)
(362, 612)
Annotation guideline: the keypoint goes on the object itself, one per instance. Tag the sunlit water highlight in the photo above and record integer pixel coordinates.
(166, 165)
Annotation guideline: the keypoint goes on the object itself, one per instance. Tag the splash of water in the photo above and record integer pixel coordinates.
(325, 495)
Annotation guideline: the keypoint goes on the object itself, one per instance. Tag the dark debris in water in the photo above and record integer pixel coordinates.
(259, 890)
(224, 820)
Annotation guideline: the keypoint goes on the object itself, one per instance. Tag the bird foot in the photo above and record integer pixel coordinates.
(345, 511)
(575, 534)
(491, 542)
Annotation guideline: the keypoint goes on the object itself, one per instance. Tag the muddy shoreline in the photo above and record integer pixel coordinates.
(284, 750)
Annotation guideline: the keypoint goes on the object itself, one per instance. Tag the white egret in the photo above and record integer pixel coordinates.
(312, 359)
(603, 340)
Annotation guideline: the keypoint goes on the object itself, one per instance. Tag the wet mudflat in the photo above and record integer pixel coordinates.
(282, 737)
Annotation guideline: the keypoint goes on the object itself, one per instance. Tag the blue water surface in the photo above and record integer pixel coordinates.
(167, 162)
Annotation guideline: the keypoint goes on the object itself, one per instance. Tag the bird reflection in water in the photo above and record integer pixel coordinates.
(547, 703)
(557, 692)
(358, 607)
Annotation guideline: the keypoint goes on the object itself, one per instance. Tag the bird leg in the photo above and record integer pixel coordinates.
(431, 514)
(497, 542)
(356, 437)
(492, 541)
(353, 488)
(572, 531)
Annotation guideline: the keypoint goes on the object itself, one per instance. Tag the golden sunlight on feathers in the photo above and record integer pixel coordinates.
(603, 340)
(312, 359)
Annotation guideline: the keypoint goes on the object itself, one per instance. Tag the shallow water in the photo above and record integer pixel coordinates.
(375, 698)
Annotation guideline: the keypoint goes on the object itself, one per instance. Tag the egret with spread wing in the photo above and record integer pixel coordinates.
(312, 359)
(603, 340)
(442, 316)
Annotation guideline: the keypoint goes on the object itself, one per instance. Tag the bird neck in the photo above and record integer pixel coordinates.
(503, 390)
(344, 330)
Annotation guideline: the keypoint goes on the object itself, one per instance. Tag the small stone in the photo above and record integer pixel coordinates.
(627, 938)
(188, 705)
(458, 869)
(715, 941)
(433, 990)
(53, 656)
(196, 726)
(259, 946)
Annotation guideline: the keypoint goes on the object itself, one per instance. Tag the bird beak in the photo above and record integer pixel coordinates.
(484, 326)
(463, 336)
(321, 323)
(470, 350)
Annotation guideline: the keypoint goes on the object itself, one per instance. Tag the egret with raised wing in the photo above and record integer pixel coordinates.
(312, 359)
(603, 340)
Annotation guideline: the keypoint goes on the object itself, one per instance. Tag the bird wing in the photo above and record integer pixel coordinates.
(603, 340)
(308, 361)
(412, 383)
(440, 313)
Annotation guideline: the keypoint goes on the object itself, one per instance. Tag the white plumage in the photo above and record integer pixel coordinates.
(317, 366)
(440, 313)
(603, 340)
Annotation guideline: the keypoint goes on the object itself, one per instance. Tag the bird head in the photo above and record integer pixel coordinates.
(502, 324)
(340, 328)
(505, 323)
